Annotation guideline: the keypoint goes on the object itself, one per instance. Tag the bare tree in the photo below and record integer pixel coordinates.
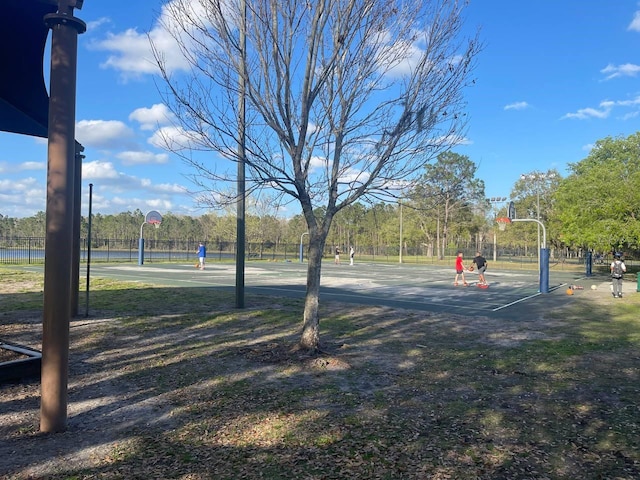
(345, 100)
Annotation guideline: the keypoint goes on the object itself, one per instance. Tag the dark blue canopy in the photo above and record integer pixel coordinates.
(24, 101)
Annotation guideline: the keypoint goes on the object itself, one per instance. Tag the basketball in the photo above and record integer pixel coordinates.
(594, 287)
(569, 291)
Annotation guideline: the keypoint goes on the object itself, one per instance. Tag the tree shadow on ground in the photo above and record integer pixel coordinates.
(177, 383)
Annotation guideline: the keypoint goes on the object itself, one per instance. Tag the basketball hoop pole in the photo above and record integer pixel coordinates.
(141, 246)
(543, 255)
(154, 218)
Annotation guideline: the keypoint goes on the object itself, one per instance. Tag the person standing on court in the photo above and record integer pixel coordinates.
(337, 258)
(618, 269)
(202, 254)
(352, 252)
(481, 264)
(460, 270)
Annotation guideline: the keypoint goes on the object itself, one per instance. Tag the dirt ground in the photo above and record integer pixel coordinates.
(105, 407)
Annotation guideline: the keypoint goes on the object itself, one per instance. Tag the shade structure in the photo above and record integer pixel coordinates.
(24, 101)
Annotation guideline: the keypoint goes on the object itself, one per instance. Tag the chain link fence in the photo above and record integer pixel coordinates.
(30, 250)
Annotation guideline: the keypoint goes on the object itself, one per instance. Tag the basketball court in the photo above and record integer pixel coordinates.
(512, 293)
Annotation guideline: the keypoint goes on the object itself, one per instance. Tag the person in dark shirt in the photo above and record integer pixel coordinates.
(481, 264)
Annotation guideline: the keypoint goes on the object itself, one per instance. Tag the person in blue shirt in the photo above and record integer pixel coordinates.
(202, 254)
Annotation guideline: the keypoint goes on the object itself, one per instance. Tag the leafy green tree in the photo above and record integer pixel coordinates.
(598, 204)
(448, 190)
(534, 197)
(32, 226)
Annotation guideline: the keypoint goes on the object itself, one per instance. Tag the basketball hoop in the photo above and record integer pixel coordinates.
(503, 222)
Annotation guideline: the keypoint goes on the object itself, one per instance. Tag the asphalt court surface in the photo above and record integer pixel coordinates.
(512, 293)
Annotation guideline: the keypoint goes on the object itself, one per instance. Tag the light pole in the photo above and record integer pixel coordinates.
(301, 247)
(537, 178)
(495, 201)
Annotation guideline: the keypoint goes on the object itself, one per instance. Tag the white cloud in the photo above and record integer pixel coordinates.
(21, 167)
(119, 204)
(318, 162)
(605, 109)
(452, 140)
(18, 186)
(170, 188)
(352, 175)
(95, 24)
(106, 175)
(151, 118)
(103, 133)
(173, 138)
(142, 158)
(635, 23)
(22, 198)
(99, 170)
(625, 70)
(516, 106)
(634, 102)
(131, 51)
(33, 166)
(586, 113)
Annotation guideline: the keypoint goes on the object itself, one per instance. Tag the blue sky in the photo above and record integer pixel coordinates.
(554, 77)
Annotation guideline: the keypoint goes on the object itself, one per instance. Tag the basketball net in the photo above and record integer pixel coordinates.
(502, 223)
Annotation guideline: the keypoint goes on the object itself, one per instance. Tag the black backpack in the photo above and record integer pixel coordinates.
(617, 271)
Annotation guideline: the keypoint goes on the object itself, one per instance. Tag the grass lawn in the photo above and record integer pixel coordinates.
(177, 383)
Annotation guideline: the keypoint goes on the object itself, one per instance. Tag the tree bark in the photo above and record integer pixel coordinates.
(310, 338)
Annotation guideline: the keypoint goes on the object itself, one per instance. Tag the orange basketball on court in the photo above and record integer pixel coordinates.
(569, 291)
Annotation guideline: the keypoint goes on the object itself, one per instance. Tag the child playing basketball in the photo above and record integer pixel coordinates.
(460, 271)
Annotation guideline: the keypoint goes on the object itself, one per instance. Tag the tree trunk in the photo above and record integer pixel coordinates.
(310, 338)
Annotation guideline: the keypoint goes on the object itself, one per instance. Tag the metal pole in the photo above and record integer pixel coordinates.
(495, 245)
(544, 270)
(77, 215)
(538, 217)
(400, 256)
(89, 222)
(141, 246)
(543, 254)
(301, 247)
(240, 220)
(59, 224)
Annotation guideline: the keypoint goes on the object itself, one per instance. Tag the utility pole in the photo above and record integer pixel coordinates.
(240, 212)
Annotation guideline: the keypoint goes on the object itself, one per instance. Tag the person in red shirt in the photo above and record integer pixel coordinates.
(460, 270)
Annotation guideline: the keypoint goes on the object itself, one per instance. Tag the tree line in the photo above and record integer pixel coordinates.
(596, 207)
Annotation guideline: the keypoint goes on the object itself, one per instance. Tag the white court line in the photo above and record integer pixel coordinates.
(470, 306)
(517, 301)
(527, 298)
